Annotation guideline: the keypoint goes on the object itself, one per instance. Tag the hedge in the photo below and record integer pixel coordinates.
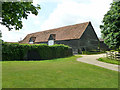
(16, 51)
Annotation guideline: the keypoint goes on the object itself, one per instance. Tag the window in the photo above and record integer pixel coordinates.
(51, 42)
(51, 39)
(32, 40)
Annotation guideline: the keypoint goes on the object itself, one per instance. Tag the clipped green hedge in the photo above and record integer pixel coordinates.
(15, 51)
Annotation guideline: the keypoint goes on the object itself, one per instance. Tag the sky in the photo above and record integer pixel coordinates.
(59, 13)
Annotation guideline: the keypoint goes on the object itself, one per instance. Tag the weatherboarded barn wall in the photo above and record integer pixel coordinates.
(72, 43)
(89, 39)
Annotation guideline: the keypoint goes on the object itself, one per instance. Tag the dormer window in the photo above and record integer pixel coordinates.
(51, 39)
(32, 40)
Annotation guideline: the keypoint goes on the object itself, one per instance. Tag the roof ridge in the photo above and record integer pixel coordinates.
(84, 29)
(60, 27)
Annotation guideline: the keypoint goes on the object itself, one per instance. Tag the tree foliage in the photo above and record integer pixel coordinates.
(14, 12)
(111, 26)
(0, 34)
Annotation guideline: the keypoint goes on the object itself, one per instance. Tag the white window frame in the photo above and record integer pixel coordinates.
(50, 42)
(31, 42)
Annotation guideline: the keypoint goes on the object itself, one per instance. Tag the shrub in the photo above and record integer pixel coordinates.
(15, 51)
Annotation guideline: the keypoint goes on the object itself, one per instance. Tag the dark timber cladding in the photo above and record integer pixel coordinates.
(79, 37)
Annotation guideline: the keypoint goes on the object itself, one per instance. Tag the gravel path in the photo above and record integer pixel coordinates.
(91, 59)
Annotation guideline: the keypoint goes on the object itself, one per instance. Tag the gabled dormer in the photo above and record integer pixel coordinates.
(51, 39)
(32, 40)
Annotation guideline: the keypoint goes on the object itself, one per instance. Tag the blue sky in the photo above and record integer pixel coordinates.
(58, 13)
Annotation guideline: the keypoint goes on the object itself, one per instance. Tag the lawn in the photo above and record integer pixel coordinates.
(57, 73)
(107, 60)
(92, 52)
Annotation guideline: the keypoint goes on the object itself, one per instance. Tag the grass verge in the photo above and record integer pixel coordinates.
(91, 53)
(107, 60)
(57, 73)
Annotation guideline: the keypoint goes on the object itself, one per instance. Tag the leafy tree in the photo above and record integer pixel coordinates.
(0, 34)
(14, 12)
(111, 26)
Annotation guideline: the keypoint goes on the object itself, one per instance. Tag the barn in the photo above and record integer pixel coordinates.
(79, 37)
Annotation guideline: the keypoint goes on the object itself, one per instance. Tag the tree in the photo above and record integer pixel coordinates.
(111, 26)
(14, 12)
(0, 34)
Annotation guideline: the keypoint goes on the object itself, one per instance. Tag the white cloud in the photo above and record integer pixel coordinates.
(73, 12)
(34, 18)
(57, 1)
(11, 36)
(42, 1)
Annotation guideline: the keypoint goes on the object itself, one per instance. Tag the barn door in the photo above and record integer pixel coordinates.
(75, 51)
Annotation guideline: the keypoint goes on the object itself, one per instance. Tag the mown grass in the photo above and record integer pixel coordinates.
(107, 60)
(57, 73)
(92, 53)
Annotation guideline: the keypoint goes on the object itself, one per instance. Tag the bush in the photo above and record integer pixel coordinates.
(15, 51)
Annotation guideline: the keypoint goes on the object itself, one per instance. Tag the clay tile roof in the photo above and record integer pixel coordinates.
(62, 33)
